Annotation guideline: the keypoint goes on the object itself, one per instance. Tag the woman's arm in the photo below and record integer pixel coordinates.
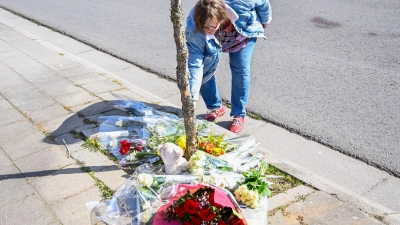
(195, 66)
(263, 9)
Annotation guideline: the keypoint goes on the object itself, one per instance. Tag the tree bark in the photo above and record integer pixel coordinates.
(182, 75)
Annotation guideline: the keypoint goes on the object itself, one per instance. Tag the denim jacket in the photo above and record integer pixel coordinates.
(247, 16)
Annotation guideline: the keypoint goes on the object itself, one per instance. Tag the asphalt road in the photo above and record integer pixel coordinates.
(329, 70)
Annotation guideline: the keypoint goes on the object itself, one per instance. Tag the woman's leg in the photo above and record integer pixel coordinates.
(240, 69)
(210, 94)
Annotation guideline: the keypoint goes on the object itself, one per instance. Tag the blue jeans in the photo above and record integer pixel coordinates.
(240, 70)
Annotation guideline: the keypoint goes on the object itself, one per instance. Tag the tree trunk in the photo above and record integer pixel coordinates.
(182, 75)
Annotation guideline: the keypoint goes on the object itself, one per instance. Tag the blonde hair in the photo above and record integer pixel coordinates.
(207, 10)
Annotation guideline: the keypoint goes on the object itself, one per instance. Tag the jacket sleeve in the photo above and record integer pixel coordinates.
(195, 66)
(263, 9)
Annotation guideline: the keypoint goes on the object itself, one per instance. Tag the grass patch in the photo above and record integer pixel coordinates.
(254, 116)
(105, 190)
(95, 145)
(78, 135)
(282, 184)
(379, 218)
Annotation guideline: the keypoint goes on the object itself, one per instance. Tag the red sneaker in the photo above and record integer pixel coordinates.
(237, 124)
(213, 114)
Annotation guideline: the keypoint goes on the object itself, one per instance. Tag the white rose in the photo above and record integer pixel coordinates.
(145, 216)
(145, 179)
(197, 171)
(118, 123)
(199, 163)
(255, 205)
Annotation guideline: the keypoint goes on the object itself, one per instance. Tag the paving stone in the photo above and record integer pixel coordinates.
(106, 61)
(76, 71)
(87, 78)
(42, 32)
(279, 219)
(320, 208)
(14, 59)
(316, 202)
(102, 86)
(393, 219)
(152, 83)
(29, 144)
(51, 81)
(13, 37)
(22, 128)
(379, 193)
(95, 160)
(35, 100)
(10, 116)
(31, 48)
(76, 99)
(15, 84)
(347, 214)
(10, 178)
(69, 44)
(43, 162)
(62, 184)
(47, 114)
(7, 74)
(73, 209)
(56, 62)
(112, 176)
(63, 124)
(290, 195)
(30, 210)
(63, 89)
(74, 144)
(39, 73)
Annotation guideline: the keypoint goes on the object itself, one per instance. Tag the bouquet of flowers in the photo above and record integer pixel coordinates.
(214, 144)
(202, 163)
(254, 187)
(200, 208)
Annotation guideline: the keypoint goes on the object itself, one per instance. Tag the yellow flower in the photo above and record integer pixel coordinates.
(181, 142)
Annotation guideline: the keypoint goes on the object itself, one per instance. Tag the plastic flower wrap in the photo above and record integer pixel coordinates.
(223, 179)
(240, 157)
(119, 133)
(134, 203)
(203, 163)
(137, 201)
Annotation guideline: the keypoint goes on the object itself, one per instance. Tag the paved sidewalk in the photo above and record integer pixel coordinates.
(52, 85)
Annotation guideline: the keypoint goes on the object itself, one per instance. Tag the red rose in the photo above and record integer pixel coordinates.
(195, 220)
(187, 223)
(138, 148)
(191, 206)
(212, 201)
(125, 146)
(180, 212)
(207, 215)
(236, 221)
(221, 222)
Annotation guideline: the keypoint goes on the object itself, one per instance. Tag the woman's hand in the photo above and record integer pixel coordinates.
(265, 25)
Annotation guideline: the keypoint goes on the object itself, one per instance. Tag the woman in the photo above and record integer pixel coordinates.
(215, 26)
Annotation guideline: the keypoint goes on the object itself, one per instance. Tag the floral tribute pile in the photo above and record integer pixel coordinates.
(159, 139)
(200, 208)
